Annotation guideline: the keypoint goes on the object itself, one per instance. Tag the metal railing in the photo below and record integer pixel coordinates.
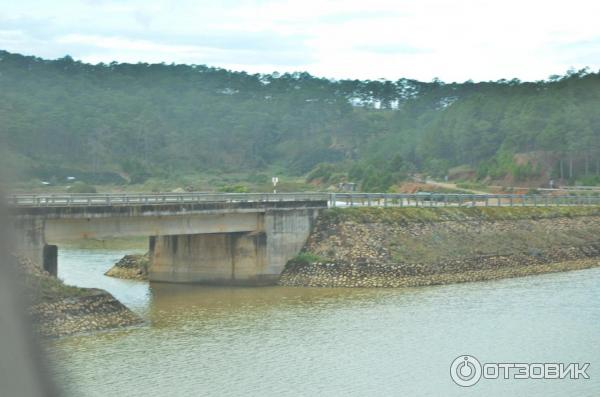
(116, 199)
(333, 199)
(589, 189)
(444, 200)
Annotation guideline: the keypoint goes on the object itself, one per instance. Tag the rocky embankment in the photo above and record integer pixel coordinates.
(399, 247)
(59, 310)
(134, 267)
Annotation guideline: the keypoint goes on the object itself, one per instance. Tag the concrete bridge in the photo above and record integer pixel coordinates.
(212, 238)
(220, 239)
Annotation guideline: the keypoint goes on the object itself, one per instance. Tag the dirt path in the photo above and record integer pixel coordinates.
(447, 185)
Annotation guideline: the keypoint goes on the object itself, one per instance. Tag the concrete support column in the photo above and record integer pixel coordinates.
(30, 239)
(50, 261)
(236, 258)
(287, 232)
(217, 258)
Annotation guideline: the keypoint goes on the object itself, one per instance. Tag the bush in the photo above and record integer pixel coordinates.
(308, 257)
(81, 187)
(471, 186)
(259, 178)
(234, 189)
(437, 168)
(524, 172)
(322, 171)
(136, 170)
(590, 180)
(380, 175)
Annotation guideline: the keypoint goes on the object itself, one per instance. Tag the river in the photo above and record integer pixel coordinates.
(278, 341)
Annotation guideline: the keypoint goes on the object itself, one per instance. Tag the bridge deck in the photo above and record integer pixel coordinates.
(319, 198)
(114, 199)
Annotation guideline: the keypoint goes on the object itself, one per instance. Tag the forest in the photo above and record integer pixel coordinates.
(101, 122)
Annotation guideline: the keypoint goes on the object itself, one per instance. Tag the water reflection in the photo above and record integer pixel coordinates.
(168, 298)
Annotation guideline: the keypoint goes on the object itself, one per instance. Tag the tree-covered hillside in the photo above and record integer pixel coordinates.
(61, 116)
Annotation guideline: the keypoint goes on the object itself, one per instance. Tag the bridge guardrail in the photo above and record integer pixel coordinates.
(333, 199)
(447, 199)
(113, 199)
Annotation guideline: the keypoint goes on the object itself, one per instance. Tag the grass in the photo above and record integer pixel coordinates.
(470, 236)
(41, 287)
(473, 186)
(439, 242)
(49, 288)
(307, 257)
(404, 215)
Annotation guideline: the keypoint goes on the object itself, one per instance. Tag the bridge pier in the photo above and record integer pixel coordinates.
(216, 258)
(234, 258)
(30, 242)
(50, 261)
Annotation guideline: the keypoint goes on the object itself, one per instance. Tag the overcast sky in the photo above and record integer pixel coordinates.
(454, 40)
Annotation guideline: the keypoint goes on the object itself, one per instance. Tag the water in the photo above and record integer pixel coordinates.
(355, 342)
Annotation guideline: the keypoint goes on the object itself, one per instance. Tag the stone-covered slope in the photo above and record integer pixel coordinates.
(394, 247)
(133, 267)
(58, 309)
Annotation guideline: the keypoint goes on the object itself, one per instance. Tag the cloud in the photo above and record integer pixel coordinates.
(391, 48)
(139, 50)
(456, 41)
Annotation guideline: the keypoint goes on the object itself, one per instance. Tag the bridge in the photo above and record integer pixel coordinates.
(220, 239)
(233, 238)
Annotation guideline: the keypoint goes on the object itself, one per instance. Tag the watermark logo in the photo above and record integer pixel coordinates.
(466, 370)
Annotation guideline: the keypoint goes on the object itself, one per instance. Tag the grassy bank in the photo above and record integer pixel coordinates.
(439, 214)
(40, 287)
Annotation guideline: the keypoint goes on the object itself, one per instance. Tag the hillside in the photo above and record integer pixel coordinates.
(123, 123)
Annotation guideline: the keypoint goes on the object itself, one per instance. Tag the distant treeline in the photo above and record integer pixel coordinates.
(160, 120)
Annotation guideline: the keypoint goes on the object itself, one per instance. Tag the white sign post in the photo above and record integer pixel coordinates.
(275, 180)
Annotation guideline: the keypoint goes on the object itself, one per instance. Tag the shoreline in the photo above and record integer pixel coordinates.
(323, 275)
(98, 311)
(395, 248)
(57, 309)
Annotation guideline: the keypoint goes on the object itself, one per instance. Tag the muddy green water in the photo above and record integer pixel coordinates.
(330, 342)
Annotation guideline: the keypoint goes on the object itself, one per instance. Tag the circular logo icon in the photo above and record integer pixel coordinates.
(465, 370)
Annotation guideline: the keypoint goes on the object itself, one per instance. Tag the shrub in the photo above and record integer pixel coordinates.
(590, 180)
(81, 187)
(307, 257)
(136, 170)
(259, 178)
(322, 171)
(234, 189)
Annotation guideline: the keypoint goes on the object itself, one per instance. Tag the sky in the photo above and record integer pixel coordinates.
(453, 40)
